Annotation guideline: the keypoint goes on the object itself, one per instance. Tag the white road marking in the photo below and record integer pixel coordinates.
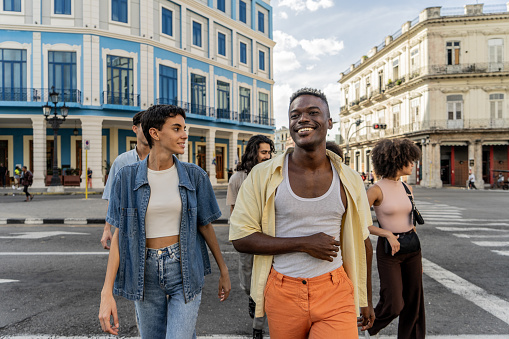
(40, 235)
(481, 236)
(466, 223)
(75, 221)
(468, 229)
(491, 243)
(34, 221)
(5, 281)
(504, 221)
(490, 303)
(51, 253)
(505, 253)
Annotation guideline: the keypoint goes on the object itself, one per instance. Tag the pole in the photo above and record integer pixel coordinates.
(86, 169)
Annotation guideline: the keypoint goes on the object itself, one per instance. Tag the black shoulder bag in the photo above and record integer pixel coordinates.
(417, 217)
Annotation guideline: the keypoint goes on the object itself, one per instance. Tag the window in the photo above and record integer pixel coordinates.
(245, 104)
(198, 94)
(357, 92)
(395, 116)
(242, 11)
(454, 107)
(223, 100)
(221, 44)
(167, 21)
(261, 60)
(414, 59)
(496, 54)
(63, 75)
(243, 53)
(13, 75)
(496, 102)
(168, 90)
(395, 69)
(380, 81)
(381, 116)
(414, 108)
(368, 86)
(453, 53)
(261, 22)
(62, 7)
(221, 5)
(12, 5)
(263, 108)
(120, 81)
(196, 34)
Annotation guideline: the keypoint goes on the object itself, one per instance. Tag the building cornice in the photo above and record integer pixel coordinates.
(131, 38)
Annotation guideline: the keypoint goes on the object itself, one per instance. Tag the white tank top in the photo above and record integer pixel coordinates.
(164, 210)
(299, 217)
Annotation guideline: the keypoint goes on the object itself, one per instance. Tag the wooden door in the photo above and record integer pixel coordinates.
(219, 163)
(79, 155)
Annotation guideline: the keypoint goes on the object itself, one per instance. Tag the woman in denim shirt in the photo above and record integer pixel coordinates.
(163, 210)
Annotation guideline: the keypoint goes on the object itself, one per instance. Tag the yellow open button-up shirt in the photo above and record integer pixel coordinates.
(255, 212)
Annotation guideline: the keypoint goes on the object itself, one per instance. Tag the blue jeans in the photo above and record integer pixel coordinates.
(163, 312)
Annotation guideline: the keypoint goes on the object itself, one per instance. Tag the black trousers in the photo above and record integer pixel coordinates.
(25, 189)
(401, 293)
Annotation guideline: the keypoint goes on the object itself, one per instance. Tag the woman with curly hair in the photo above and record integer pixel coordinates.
(401, 292)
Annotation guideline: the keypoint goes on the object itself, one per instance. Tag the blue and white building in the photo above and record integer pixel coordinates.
(109, 59)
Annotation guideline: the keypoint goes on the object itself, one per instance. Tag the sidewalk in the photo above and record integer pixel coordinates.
(63, 209)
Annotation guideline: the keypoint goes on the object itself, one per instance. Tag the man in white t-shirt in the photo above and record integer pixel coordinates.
(259, 148)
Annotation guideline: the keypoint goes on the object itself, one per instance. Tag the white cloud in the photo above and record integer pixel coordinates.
(310, 67)
(301, 5)
(282, 93)
(318, 47)
(284, 41)
(285, 61)
(283, 15)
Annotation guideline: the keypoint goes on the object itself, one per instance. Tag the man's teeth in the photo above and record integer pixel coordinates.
(305, 129)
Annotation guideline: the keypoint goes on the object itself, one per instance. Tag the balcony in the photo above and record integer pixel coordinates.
(120, 98)
(201, 110)
(165, 101)
(222, 113)
(66, 95)
(15, 94)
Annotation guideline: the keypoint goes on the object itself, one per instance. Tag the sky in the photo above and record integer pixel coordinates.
(316, 40)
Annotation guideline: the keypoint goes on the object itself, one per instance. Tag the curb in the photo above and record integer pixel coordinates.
(68, 221)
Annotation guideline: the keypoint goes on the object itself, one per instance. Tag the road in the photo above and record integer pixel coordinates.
(51, 275)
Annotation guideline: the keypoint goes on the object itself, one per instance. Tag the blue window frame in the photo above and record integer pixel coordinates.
(221, 5)
(119, 10)
(13, 75)
(62, 7)
(223, 100)
(261, 60)
(198, 94)
(245, 104)
(261, 22)
(12, 5)
(168, 82)
(263, 107)
(167, 21)
(243, 53)
(221, 44)
(242, 11)
(63, 75)
(120, 82)
(196, 34)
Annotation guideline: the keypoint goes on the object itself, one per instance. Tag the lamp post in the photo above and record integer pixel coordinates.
(347, 157)
(55, 122)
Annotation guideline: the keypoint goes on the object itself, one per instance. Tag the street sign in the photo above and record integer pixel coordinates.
(87, 145)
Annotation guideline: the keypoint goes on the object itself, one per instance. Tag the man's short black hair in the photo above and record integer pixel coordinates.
(310, 91)
(137, 118)
(156, 116)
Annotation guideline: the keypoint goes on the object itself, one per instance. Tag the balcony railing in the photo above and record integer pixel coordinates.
(202, 110)
(222, 113)
(15, 94)
(66, 95)
(442, 124)
(121, 98)
(165, 101)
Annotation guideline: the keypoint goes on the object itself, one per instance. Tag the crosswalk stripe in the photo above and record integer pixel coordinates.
(469, 229)
(491, 243)
(503, 221)
(468, 236)
(490, 303)
(504, 253)
(5, 281)
(466, 223)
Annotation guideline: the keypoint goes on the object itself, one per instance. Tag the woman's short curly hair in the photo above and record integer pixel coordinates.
(390, 156)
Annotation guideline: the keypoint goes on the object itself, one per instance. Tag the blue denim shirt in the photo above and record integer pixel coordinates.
(126, 158)
(127, 208)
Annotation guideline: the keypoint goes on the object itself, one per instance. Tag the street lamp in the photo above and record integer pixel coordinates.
(347, 157)
(55, 124)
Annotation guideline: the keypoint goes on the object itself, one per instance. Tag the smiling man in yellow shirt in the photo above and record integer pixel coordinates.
(305, 216)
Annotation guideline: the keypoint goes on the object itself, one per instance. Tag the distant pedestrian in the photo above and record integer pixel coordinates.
(3, 171)
(163, 209)
(259, 149)
(230, 173)
(500, 180)
(89, 177)
(371, 177)
(26, 181)
(17, 177)
(138, 153)
(471, 181)
(363, 176)
(401, 291)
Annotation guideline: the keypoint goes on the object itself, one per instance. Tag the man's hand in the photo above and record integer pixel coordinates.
(367, 318)
(107, 309)
(321, 246)
(106, 237)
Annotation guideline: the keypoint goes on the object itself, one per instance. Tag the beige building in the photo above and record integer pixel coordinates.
(442, 80)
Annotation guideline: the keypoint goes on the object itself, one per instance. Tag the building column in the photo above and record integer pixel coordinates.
(234, 137)
(185, 157)
(425, 165)
(477, 170)
(39, 156)
(471, 157)
(92, 131)
(437, 182)
(211, 151)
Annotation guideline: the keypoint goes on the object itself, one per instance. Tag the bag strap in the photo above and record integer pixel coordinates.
(409, 194)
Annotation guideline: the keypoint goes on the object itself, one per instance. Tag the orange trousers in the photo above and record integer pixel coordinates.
(315, 308)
